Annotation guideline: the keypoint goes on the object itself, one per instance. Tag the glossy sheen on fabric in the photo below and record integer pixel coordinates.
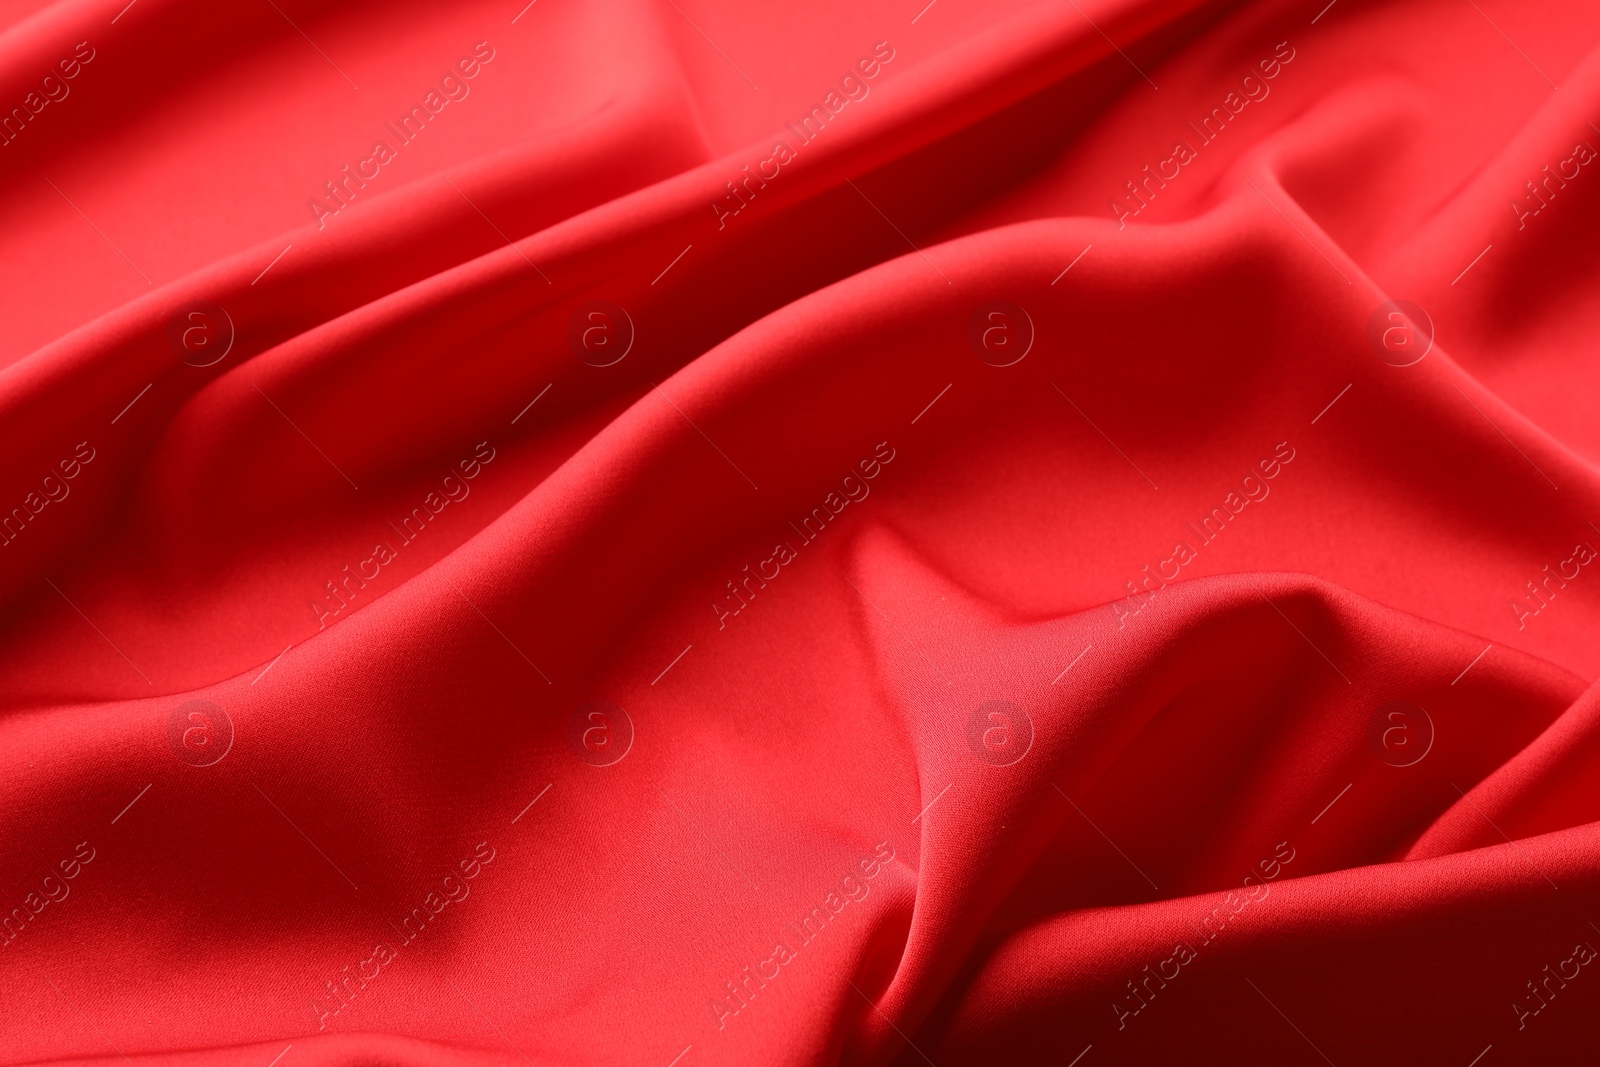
(686, 533)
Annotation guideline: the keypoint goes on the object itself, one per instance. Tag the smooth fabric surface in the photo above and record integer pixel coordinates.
(680, 533)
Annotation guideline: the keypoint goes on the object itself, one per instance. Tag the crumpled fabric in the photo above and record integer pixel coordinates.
(702, 533)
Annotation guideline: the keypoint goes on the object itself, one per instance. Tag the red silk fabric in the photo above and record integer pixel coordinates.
(678, 533)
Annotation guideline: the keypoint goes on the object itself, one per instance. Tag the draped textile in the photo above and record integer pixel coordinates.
(679, 533)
